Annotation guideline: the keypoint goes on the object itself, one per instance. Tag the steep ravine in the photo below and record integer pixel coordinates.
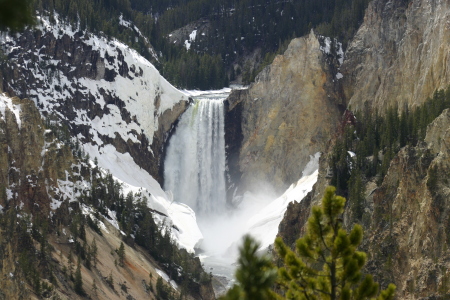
(399, 57)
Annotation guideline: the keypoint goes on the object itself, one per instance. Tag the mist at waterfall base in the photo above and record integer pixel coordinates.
(195, 173)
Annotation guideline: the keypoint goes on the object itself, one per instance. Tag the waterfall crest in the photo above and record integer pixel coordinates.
(194, 168)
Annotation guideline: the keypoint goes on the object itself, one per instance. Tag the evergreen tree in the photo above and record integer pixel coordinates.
(255, 274)
(16, 14)
(78, 281)
(121, 253)
(163, 292)
(94, 250)
(94, 288)
(356, 193)
(327, 265)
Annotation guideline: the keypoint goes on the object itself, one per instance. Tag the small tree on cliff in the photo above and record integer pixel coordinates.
(121, 253)
(256, 274)
(325, 265)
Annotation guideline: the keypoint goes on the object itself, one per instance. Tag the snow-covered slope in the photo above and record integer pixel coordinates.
(111, 98)
(135, 179)
(264, 225)
(120, 74)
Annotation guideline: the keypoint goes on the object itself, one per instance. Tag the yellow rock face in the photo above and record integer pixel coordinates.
(288, 114)
(400, 55)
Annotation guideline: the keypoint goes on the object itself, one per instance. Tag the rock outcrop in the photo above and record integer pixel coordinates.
(31, 159)
(400, 55)
(288, 114)
(100, 89)
(406, 218)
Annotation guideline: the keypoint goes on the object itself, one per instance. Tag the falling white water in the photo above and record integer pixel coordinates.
(195, 174)
(194, 168)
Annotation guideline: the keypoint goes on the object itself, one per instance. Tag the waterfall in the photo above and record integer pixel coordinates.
(194, 168)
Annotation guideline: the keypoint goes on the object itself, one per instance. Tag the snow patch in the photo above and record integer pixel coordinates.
(137, 180)
(192, 36)
(166, 278)
(197, 93)
(124, 23)
(137, 90)
(9, 194)
(264, 225)
(327, 48)
(6, 102)
(88, 211)
(340, 53)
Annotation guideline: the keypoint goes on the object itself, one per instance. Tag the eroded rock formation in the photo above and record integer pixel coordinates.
(288, 114)
(400, 55)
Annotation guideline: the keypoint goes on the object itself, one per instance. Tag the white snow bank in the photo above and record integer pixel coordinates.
(123, 22)
(197, 93)
(327, 48)
(135, 179)
(6, 102)
(166, 278)
(224, 91)
(88, 211)
(264, 225)
(145, 93)
(192, 36)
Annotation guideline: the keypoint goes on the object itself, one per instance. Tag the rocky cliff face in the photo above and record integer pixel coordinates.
(407, 232)
(406, 218)
(32, 161)
(289, 113)
(101, 90)
(42, 181)
(22, 169)
(400, 55)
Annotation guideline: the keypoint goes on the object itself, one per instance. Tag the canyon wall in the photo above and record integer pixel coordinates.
(399, 56)
(289, 113)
